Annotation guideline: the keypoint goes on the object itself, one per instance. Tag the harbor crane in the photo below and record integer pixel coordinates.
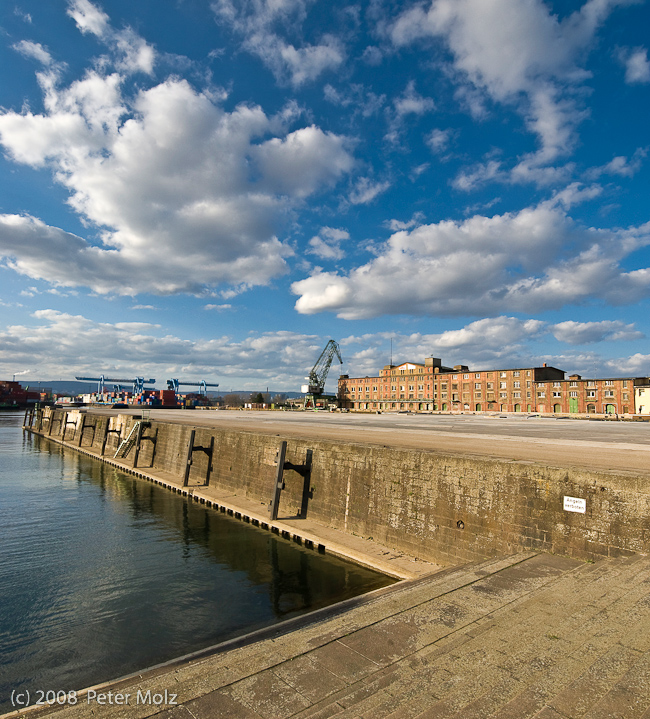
(318, 374)
(202, 385)
(138, 383)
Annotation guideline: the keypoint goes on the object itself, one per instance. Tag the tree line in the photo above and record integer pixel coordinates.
(235, 399)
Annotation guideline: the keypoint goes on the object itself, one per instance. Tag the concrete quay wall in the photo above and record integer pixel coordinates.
(443, 508)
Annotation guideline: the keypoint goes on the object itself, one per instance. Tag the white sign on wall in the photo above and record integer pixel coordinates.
(575, 504)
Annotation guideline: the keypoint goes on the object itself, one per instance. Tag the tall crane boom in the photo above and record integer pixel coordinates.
(318, 374)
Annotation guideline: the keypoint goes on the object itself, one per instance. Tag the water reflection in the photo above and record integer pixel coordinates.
(102, 573)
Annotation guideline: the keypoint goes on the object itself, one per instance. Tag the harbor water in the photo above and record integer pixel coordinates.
(103, 574)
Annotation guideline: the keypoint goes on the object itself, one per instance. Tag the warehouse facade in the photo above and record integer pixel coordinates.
(432, 387)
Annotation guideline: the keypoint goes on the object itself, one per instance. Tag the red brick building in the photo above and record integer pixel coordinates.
(432, 387)
(592, 396)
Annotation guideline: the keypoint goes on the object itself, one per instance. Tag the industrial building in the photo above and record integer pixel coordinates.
(13, 394)
(432, 387)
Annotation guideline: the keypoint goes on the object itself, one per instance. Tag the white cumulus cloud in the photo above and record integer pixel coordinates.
(366, 190)
(34, 50)
(327, 243)
(132, 53)
(515, 52)
(89, 18)
(177, 194)
(528, 261)
(262, 24)
(578, 333)
(637, 67)
(58, 344)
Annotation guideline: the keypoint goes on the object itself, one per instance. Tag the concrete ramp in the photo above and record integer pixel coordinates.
(531, 635)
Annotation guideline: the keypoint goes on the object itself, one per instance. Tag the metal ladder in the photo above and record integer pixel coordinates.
(126, 445)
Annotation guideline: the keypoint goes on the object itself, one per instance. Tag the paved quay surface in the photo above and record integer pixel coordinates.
(601, 445)
(530, 635)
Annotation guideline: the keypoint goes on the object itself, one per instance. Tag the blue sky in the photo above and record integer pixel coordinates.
(211, 190)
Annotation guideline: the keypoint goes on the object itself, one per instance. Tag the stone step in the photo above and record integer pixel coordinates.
(449, 615)
(511, 666)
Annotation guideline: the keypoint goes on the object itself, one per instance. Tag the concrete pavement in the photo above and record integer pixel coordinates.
(601, 445)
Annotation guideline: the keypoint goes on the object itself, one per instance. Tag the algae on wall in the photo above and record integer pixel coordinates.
(441, 508)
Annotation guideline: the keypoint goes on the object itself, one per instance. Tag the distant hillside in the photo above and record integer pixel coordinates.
(61, 386)
(73, 387)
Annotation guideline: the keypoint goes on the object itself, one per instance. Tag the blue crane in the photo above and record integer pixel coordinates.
(138, 383)
(202, 385)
